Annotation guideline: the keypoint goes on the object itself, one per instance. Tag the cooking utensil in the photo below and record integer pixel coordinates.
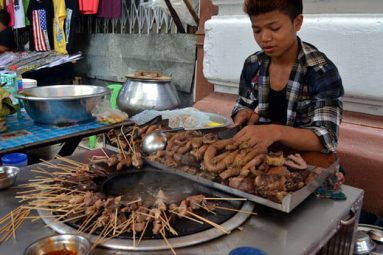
(156, 140)
(62, 104)
(147, 90)
(8, 176)
(153, 142)
(66, 244)
(363, 243)
(228, 132)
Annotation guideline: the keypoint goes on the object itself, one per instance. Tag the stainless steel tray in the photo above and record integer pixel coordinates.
(289, 202)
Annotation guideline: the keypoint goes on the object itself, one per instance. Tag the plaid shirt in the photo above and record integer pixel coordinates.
(314, 93)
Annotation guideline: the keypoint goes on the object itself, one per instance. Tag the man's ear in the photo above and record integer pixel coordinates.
(298, 21)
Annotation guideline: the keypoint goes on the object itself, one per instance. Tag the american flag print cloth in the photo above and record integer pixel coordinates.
(40, 31)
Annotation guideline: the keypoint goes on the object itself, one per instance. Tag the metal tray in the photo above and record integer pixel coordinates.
(289, 202)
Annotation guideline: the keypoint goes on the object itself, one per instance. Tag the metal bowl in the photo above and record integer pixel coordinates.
(71, 244)
(62, 104)
(376, 235)
(363, 243)
(8, 176)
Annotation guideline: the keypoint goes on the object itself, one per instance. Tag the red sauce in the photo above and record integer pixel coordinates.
(63, 252)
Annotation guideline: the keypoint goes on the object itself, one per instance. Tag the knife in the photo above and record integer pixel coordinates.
(229, 132)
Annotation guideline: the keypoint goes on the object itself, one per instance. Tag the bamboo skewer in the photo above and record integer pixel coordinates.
(143, 232)
(219, 227)
(102, 149)
(167, 242)
(187, 217)
(13, 226)
(168, 226)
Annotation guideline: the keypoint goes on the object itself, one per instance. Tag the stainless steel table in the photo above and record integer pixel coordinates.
(304, 231)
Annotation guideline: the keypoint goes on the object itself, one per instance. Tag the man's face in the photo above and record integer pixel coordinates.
(275, 33)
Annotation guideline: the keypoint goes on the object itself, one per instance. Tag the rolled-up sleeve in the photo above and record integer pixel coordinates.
(327, 103)
(248, 91)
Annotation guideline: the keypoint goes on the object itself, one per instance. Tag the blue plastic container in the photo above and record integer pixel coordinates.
(247, 251)
(15, 159)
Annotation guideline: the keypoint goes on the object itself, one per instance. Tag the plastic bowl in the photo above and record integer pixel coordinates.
(247, 251)
(66, 244)
(8, 176)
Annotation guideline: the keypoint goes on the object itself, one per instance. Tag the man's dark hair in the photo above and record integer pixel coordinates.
(5, 18)
(292, 8)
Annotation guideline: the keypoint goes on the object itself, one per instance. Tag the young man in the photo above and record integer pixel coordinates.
(7, 41)
(292, 84)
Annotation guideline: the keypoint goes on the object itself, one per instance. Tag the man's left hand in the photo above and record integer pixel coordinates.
(258, 136)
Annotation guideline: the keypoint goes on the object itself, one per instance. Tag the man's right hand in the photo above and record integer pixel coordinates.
(245, 117)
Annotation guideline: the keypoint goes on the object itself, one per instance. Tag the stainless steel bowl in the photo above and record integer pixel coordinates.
(62, 104)
(8, 176)
(140, 94)
(60, 243)
(363, 243)
(376, 235)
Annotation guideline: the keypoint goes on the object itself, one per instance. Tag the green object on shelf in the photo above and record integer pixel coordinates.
(115, 87)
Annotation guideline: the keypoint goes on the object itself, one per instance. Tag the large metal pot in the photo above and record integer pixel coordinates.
(147, 90)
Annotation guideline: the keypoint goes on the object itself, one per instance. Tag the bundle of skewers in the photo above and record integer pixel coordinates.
(69, 191)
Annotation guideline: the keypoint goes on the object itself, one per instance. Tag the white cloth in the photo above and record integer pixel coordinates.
(19, 14)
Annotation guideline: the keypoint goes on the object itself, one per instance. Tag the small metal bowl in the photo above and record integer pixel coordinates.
(68, 243)
(376, 235)
(363, 243)
(8, 176)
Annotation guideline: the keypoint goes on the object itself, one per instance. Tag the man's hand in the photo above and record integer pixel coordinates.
(246, 117)
(259, 137)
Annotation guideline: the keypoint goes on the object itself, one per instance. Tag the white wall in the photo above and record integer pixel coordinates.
(343, 6)
(353, 41)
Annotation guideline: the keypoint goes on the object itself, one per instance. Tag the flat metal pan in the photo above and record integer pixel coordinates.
(290, 201)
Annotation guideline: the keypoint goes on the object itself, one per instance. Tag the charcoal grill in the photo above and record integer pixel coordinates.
(145, 184)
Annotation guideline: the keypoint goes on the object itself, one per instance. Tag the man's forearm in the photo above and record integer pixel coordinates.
(297, 138)
(3, 49)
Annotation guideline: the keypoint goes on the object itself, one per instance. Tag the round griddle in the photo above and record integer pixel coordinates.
(146, 183)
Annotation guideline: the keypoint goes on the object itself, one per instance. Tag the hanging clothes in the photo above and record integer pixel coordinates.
(26, 4)
(88, 6)
(59, 11)
(11, 11)
(72, 14)
(18, 7)
(111, 9)
(40, 13)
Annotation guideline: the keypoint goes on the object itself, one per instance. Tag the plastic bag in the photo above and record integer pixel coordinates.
(106, 114)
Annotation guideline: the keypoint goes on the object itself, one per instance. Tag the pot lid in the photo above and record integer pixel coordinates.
(148, 75)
